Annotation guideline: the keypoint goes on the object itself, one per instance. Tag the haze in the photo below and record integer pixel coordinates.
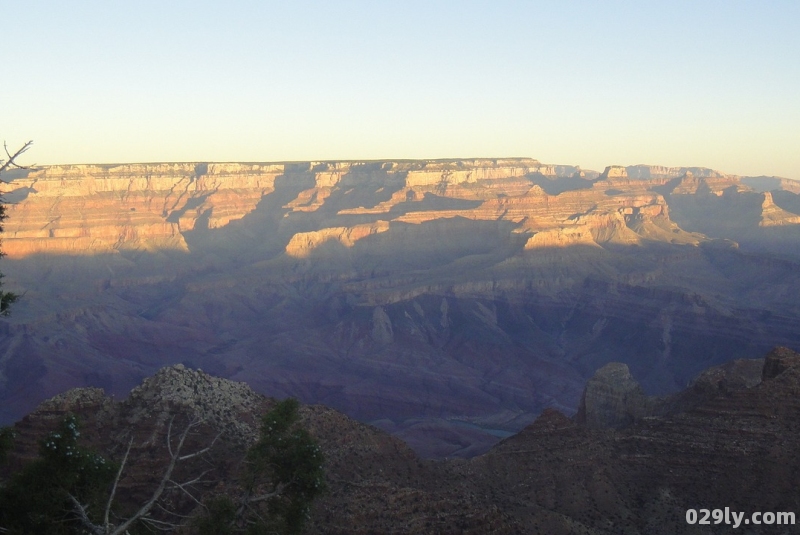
(678, 84)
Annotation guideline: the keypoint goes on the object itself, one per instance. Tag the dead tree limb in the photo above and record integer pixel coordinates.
(107, 528)
(11, 161)
(114, 487)
(87, 523)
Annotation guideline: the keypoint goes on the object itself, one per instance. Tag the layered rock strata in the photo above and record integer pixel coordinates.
(90, 209)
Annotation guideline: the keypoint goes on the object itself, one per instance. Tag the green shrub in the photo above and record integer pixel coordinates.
(36, 499)
(6, 443)
(283, 474)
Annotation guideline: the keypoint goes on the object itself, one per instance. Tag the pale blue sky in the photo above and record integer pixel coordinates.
(707, 83)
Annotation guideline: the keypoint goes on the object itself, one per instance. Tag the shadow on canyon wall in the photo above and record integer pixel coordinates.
(450, 345)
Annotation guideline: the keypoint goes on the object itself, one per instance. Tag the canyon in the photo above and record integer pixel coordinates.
(448, 302)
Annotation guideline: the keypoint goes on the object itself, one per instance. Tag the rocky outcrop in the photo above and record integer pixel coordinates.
(772, 215)
(75, 399)
(303, 244)
(220, 403)
(739, 374)
(614, 172)
(613, 399)
(778, 361)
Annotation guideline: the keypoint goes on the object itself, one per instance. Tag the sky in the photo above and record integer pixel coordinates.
(696, 83)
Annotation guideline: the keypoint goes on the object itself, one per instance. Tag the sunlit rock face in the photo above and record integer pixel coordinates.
(447, 301)
(89, 209)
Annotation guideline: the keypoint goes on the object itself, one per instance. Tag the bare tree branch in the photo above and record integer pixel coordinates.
(114, 488)
(261, 497)
(201, 452)
(160, 525)
(173, 513)
(80, 510)
(182, 486)
(11, 158)
(174, 457)
(166, 481)
(169, 436)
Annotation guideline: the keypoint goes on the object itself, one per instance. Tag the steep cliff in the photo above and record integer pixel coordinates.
(90, 209)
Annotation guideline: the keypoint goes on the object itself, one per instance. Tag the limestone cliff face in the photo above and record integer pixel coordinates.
(614, 171)
(771, 183)
(91, 209)
(649, 172)
(439, 174)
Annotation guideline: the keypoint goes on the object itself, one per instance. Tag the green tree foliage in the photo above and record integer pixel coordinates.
(219, 517)
(6, 298)
(36, 499)
(282, 475)
(6, 443)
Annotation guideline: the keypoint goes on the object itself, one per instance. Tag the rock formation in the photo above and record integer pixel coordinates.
(773, 215)
(778, 361)
(612, 398)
